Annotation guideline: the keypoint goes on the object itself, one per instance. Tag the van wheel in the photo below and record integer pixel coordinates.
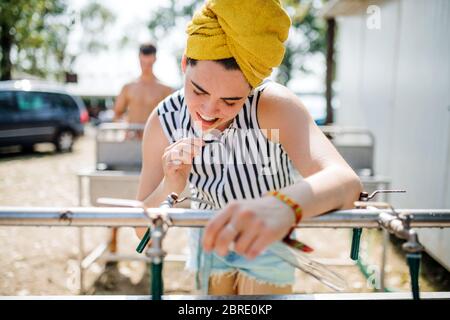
(64, 141)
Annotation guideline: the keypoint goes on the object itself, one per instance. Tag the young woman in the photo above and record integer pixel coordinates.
(262, 134)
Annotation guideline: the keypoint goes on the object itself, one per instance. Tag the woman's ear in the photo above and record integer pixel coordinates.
(183, 63)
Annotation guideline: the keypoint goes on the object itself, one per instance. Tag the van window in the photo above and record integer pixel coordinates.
(7, 102)
(64, 102)
(33, 101)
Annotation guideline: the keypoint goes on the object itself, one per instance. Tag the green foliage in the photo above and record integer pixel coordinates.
(307, 37)
(171, 16)
(94, 19)
(34, 35)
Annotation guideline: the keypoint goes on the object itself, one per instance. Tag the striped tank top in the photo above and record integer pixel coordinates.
(238, 163)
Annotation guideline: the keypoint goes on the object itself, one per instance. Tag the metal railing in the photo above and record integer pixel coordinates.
(399, 222)
(136, 217)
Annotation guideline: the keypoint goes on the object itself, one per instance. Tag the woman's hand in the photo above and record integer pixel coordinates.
(251, 225)
(177, 162)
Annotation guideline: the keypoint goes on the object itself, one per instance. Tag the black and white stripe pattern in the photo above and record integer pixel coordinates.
(244, 164)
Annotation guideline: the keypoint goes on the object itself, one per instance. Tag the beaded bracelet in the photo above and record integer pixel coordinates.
(291, 203)
(298, 216)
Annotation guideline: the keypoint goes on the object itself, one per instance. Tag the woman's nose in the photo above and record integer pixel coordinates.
(210, 108)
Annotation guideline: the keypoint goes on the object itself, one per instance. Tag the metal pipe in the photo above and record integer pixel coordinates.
(309, 296)
(134, 217)
(121, 126)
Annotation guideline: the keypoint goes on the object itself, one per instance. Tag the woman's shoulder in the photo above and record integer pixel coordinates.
(172, 103)
(279, 107)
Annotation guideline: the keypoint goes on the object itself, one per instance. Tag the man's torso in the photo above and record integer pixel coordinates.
(142, 98)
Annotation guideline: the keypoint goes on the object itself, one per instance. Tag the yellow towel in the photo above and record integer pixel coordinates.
(250, 31)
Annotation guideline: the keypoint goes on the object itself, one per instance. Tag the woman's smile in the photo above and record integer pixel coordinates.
(206, 121)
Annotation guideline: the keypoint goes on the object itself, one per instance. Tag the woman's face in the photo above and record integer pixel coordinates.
(214, 95)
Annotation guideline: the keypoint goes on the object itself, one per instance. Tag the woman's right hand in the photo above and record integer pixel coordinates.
(177, 162)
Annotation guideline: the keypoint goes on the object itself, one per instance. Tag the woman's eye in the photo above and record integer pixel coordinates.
(230, 104)
(197, 93)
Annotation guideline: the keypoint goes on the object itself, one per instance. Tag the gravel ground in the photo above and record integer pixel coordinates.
(44, 261)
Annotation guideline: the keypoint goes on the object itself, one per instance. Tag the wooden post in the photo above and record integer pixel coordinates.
(331, 32)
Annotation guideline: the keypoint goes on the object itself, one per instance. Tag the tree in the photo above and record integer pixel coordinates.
(331, 35)
(34, 35)
(168, 20)
(307, 37)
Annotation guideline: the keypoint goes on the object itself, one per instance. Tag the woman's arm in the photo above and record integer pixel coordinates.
(151, 188)
(328, 182)
(165, 166)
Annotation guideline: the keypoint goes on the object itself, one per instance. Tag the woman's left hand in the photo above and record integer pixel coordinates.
(251, 225)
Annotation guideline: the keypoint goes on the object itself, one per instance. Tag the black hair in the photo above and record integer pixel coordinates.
(147, 49)
(228, 63)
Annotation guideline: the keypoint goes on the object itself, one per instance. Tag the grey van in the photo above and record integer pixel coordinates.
(33, 112)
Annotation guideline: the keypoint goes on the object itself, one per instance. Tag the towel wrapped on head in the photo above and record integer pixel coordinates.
(250, 31)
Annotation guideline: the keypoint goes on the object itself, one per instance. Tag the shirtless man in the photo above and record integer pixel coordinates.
(138, 98)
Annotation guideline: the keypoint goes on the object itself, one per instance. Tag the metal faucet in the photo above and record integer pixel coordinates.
(398, 224)
(356, 236)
